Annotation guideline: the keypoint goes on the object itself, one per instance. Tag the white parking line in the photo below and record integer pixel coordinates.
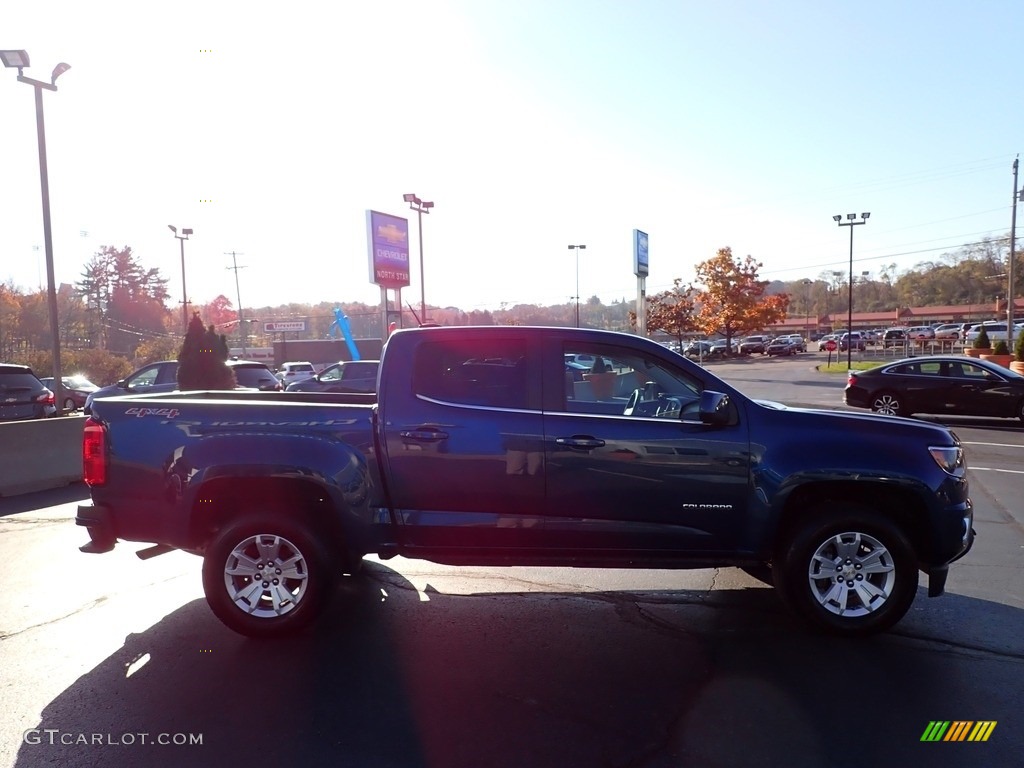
(994, 445)
(996, 469)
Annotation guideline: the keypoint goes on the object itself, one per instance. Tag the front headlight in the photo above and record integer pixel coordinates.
(950, 458)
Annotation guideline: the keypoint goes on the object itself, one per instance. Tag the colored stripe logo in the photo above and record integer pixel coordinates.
(958, 730)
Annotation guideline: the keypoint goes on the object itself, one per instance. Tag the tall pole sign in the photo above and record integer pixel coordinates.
(641, 267)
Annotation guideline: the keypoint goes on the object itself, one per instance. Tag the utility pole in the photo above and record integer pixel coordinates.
(1010, 269)
(241, 318)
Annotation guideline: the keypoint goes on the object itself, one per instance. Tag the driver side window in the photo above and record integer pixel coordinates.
(618, 381)
(146, 378)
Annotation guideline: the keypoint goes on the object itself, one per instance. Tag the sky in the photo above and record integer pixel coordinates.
(271, 128)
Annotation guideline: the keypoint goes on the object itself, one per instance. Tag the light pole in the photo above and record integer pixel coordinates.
(421, 207)
(851, 223)
(184, 295)
(19, 59)
(577, 248)
(807, 305)
(1010, 265)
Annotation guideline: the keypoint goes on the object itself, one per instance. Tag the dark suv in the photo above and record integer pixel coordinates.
(22, 394)
(895, 337)
(163, 377)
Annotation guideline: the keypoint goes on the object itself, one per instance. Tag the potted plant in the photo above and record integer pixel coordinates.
(1000, 354)
(981, 345)
(1017, 364)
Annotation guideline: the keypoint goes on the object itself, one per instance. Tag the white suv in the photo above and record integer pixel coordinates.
(995, 330)
(295, 371)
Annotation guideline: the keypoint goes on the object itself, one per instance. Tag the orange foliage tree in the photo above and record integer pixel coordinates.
(673, 311)
(732, 300)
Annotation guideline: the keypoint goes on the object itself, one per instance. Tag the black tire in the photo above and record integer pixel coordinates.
(1020, 411)
(888, 403)
(848, 571)
(69, 404)
(298, 581)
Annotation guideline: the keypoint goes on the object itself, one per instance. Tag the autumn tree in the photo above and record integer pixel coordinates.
(220, 311)
(732, 300)
(126, 298)
(673, 311)
(201, 361)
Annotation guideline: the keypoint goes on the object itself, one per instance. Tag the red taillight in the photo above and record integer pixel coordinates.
(851, 379)
(46, 399)
(94, 453)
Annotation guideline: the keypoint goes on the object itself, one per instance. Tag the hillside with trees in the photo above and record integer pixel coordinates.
(118, 316)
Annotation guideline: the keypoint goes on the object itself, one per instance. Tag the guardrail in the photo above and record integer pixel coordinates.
(40, 454)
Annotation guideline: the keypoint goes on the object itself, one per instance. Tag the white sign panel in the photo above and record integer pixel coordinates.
(273, 326)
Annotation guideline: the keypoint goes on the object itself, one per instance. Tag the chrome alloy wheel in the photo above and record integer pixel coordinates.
(266, 575)
(886, 404)
(851, 574)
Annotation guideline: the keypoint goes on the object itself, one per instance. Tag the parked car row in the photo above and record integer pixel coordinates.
(963, 332)
(163, 377)
(758, 344)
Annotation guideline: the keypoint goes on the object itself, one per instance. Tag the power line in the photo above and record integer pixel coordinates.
(241, 317)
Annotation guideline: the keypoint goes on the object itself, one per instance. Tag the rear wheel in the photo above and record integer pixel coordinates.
(888, 403)
(1020, 410)
(69, 404)
(266, 576)
(849, 571)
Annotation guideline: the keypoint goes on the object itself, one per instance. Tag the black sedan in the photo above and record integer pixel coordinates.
(952, 385)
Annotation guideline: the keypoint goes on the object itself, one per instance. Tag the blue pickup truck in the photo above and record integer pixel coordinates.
(486, 446)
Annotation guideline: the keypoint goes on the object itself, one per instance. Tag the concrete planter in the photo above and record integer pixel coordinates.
(972, 352)
(1017, 366)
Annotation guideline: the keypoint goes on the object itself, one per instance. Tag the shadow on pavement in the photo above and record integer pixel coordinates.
(28, 502)
(402, 677)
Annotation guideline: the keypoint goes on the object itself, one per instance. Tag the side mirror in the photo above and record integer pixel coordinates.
(122, 383)
(716, 409)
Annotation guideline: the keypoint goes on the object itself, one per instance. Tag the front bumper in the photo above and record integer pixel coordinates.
(937, 573)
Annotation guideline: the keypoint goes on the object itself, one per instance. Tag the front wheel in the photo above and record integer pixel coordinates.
(266, 577)
(850, 572)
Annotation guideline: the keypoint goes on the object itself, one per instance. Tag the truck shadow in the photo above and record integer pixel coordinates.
(400, 676)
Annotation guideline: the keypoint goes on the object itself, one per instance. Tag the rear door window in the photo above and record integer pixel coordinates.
(485, 372)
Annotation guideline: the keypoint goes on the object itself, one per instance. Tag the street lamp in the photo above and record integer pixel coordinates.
(1010, 298)
(184, 296)
(851, 223)
(19, 59)
(577, 248)
(421, 207)
(807, 305)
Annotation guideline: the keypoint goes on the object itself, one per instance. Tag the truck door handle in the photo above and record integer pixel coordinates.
(426, 435)
(579, 441)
